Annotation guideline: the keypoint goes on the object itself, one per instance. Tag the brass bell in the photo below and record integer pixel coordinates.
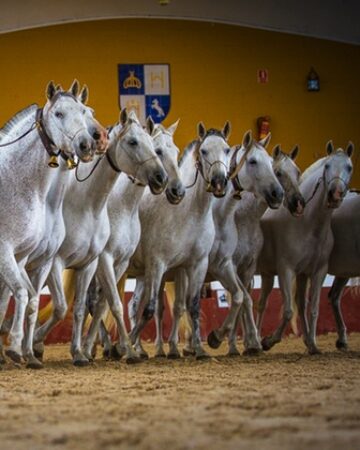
(237, 195)
(71, 164)
(53, 162)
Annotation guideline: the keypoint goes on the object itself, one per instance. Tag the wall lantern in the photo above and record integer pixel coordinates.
(164, 2)
(313, 81)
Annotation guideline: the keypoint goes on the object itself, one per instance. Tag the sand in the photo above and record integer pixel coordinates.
(284, 399)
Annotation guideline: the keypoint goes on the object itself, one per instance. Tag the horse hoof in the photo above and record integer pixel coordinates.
(14, 356)
(106, 354)
(213, 340)
(81, 362)
(160, 355)
(34, 364)
(233, 353)
(38, 355)
(38, 350)
(340, 345)
(314, 351)
(2, 360)
(144, 356)
(202, 357)
(115, 354)
(187, 352)
(266, 344)
(251, 352)
(173, 355)
(133, 359)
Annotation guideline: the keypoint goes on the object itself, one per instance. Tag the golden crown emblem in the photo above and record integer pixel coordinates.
(132, 81)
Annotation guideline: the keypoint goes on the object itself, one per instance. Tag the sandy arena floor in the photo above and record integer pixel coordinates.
(282, 399)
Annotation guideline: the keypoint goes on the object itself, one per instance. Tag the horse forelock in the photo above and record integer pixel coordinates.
(213, 132)
(17, 119)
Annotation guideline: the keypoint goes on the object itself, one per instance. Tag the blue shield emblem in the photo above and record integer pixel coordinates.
(146, 89)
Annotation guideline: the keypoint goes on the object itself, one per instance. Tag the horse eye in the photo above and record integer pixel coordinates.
(227, 151)
(59, 115)
(253, 162)
(158, 151)
(326, 166)
(133, 142)
(349, 168)
(278, 173)
(204, 152)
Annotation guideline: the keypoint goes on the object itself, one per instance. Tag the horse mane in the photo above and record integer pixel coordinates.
(16, 119)
(189, 150)
(311, 169)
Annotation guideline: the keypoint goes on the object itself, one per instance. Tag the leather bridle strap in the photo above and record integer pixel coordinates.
(49, 145)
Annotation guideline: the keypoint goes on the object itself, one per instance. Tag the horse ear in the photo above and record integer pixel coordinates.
(50, 90)
(329, 147)
(294, 152)
(265, 141)
(201, 130)
(150, 125)
(276, 151)
(247, 139)
(226, 130)
(123, 116)
(350, 149)
(172, 128)
(74, 88)
(84, 94)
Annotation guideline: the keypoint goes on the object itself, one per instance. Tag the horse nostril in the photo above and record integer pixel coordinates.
(275, 194)
(83, 145)
(159, 177)
(96, 135)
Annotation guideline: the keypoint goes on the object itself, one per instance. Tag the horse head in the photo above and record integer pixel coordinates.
(337, 173)
(132, 150)
(168, 153)
(288, 174)
(65, 123)
(255, 172)
(212, 156)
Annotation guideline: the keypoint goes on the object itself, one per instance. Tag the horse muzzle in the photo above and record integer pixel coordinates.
(157, 182)
(85, 148)
(217, 186)
(296, 205)
(336, 194)
(274, 197)
(175, 192)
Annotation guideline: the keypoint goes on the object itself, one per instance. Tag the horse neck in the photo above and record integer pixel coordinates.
(250, 208)
(316, 214)
(201, 200)
(58, 187)
(126, 196)
(28, 160)
(99, 185)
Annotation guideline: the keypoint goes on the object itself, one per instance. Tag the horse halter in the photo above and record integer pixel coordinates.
(235, 169)
(199, 166)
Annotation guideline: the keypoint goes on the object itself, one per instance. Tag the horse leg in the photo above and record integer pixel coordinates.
(301, 302)
(5, 325)
(83, 280)
(267, 283)
(196, 276)
(159, 313)
(179, 308)
(108, 282)
(146, 309)
(38, 278)
(133, 308)
(54, 282)
(315, 289)
(335, 295)
(285, 280)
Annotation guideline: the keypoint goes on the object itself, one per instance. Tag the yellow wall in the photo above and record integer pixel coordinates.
(213, 76)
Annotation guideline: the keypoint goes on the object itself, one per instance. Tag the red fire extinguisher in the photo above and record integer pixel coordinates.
(263, 126)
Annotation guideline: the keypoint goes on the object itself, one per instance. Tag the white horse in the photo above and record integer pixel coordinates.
(187, 230)
(123, 208)
(27, 141)
(300, 247)
(255, 175)
(87, 222)
(247, 218)
(344, 261)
